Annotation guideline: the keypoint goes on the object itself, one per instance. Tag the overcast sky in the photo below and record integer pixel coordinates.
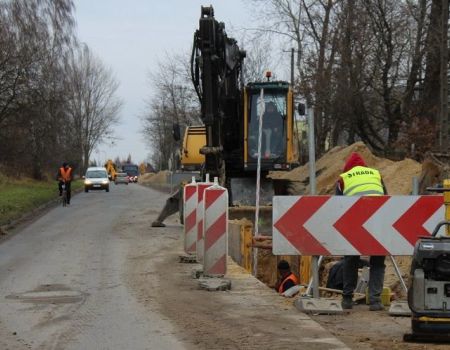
(130, 37)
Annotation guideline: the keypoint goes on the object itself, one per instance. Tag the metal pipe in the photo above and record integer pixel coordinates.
(399, 275)
(312, 152)
(310, 284)
(261, 106)
(312, 189)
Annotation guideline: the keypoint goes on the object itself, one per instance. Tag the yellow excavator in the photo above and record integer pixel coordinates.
(227, 143)
(111, 169)
(190, 157)
(191, 161)
(230, 111)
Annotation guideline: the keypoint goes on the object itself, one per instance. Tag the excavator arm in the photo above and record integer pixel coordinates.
(216, 68)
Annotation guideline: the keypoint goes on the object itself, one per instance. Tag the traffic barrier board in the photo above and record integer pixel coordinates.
(353, 225)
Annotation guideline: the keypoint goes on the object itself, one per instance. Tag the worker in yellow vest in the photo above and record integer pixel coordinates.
(65, 177)
(286, 278)
(360, 180)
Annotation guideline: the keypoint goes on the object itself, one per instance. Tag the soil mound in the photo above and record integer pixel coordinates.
(152, 178)
(397, 176)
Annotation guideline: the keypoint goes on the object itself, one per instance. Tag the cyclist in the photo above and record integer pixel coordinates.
(65, 177)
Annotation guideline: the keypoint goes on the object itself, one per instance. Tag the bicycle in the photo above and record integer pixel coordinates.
(64, 195)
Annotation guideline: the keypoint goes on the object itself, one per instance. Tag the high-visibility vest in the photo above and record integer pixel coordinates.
(290, 277)
(66, 174)
(362, 181)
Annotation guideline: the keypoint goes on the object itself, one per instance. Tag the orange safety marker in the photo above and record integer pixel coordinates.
(215, 230)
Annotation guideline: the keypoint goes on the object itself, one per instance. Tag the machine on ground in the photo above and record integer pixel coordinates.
(230, 110)
(190, 157)
(429, 292)
(111, 169)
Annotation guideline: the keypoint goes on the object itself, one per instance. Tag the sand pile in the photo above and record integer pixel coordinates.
(152, 178)
(396, 175)
(145, 178)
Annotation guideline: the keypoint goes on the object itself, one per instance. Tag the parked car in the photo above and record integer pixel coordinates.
(96, 178)
(122, 178)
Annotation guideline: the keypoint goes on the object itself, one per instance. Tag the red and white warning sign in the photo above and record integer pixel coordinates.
(190, 217)
(200, 245)
(340, 225)
(215, 222)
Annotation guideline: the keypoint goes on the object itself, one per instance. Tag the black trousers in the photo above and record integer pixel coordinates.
(68, 189)
(376, 276)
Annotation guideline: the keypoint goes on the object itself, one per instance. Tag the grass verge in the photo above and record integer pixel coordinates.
(17, 197)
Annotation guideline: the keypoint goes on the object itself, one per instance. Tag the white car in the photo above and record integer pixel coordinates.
(96, 178)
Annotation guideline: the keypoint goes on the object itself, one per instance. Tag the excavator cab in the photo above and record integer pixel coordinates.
(276, 128)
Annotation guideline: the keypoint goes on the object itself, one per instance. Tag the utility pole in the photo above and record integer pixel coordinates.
(443, 132)
(292, 67)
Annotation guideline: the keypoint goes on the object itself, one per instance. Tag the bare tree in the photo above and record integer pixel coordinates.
(173, 103)
(34, 36)
(93, 106)
(258, 59)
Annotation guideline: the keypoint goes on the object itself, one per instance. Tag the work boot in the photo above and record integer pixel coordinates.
(158, 224)
(376, 306)
(347, 302)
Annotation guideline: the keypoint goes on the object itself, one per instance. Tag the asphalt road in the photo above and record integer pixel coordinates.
(96, 275)
(63, 278)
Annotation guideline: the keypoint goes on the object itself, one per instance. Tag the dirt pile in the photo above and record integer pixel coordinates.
(152, 178)
(397, 176)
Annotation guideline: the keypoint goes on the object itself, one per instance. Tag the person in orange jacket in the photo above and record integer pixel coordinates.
(286, 278)
(65, 177)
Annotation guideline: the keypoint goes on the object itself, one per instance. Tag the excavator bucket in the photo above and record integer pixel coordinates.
(243, 191)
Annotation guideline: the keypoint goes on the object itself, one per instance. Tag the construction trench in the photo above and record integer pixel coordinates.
(398, 177)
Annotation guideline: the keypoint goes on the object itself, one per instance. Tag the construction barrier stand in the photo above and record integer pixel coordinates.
(190, 201)
(201, 186)
(215, 227)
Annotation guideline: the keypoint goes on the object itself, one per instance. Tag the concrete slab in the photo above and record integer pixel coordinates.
(318, 306)
(214, 284)
(188, 258)
(197, 273)
(399, 308)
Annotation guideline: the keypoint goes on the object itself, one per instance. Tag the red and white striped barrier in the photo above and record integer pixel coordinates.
(190, 216)
(340, 225)
(200, 245)
(215, 230)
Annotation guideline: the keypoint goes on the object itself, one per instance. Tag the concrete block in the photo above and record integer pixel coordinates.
(197, 273)
(318, 306)
(188, 259)
(214, 284)
(399, 308)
